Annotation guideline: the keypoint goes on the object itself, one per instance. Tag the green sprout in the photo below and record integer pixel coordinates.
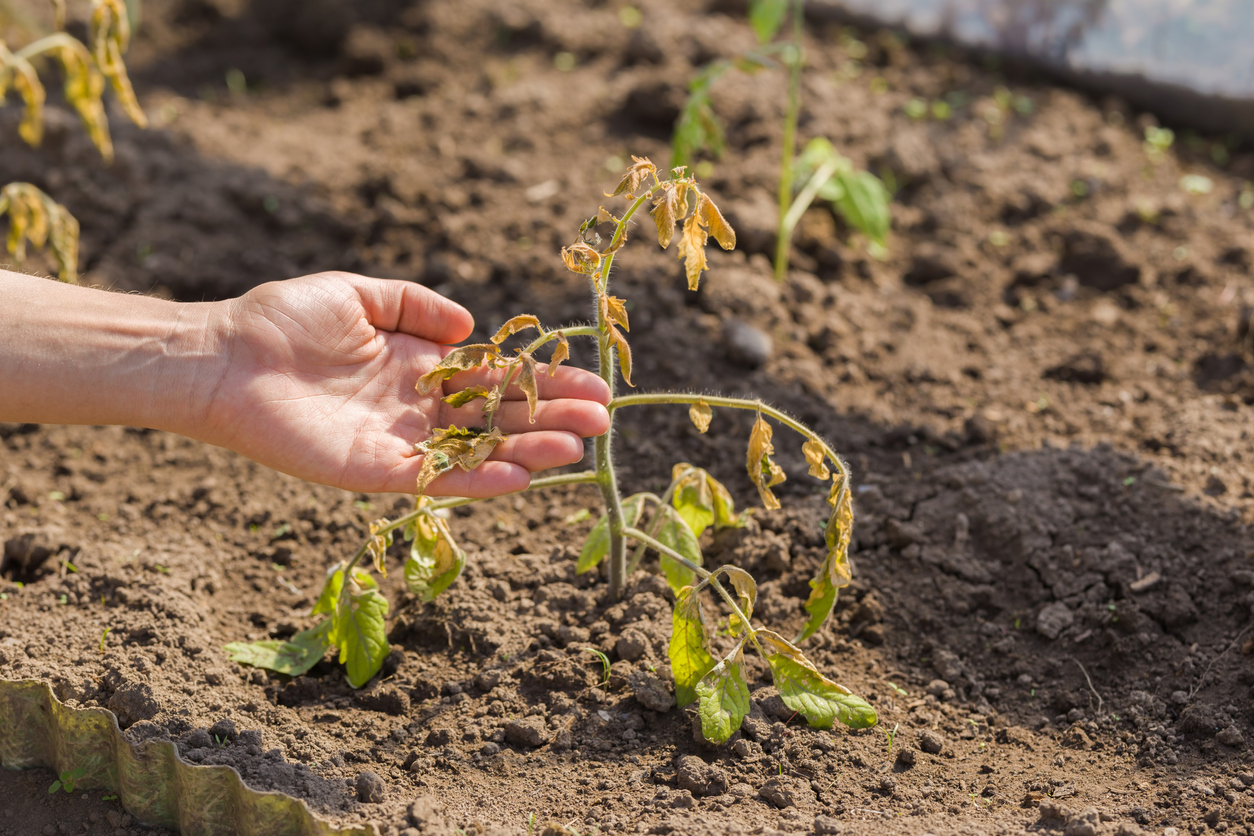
(605, 663)
(67, 780)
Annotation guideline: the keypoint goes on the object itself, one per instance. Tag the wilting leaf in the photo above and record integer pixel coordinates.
(360, 630)
(724, 696)
(377, 546)
(458, 360)
(616, 243)
(435, 560)
(746, 589)
(604, 216)
(110, 35)
(681, 195)
(639, 170)
(664, 214)
(325, 605)
(766, 16)
(84, 87)
(513, 326)
(527, 383)
(619, 342)
(808, 692)
(835, 573)
(692, 248)
(689, 648)
(864, 204)
(465, 396)
(816, 457)
(597, 546)
(690, 496)
(454, 447)
(560, 352)
(672, 531)
(35, 217)
(26, 81)
(725, 515)
(581, 258)
(293, 657)
(764, 472)
(701, 415)
(716, 223)
(614, 310)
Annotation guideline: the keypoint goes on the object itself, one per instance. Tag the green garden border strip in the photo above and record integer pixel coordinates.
(154, 784)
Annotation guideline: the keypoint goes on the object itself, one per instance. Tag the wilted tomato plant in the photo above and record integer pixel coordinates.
(669, 524)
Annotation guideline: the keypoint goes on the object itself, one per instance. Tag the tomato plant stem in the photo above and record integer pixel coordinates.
(789, 155)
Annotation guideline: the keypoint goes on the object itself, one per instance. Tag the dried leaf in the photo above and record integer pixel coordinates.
(701, 415)
(581, 258)
(746, 589)
(640, 169)
(692, 249)
(619, 342)
(377, 546)
(527, 383)
(604, 216)
(465, 396)
(614, 310)
(110, 36)
(816, 457)
(835, 572)
(616, 243)
(560, 352)
(764, 472)
(37, 218)
(689, 649)
(519, 323)
(663, 212)
(681, 198)
(26, 81)
(454, 447)
(458, 360)
(84, 87)
(716, 223)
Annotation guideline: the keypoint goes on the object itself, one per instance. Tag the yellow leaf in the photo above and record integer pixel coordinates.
(28, 86)
(513, 326)
(701, 414)
(614, 310)
(764, 472)
(458, 360)
(604, 216)
(454, 447)
(560, 353)
(692, 249)
(581, 258)
(640, 169)
(816, 457)
(527, 383)
(714, 221)
(110, 35)
(664, 215)
(618, 341)
(378, 546)
(465, 396)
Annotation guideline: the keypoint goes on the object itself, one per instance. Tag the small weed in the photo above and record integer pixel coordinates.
(104, 636)
(531, 823)
(892, 736)
(899, 691)
(605, 663)
(110, 797)
(67, 780)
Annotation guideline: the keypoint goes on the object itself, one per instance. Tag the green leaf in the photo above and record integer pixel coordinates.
(362, 638)
(674, 532)
(746, 589)
(725, 515)
(293, 658)
(864, 204)
(325, 604)
(688, 652)
(691, 497)
(435, 560)
(808, 692)
(597, 546)
(766, 16)
(724, 696)
(835, 573)
(56, 785)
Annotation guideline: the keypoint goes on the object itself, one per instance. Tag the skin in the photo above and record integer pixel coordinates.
(312, 376)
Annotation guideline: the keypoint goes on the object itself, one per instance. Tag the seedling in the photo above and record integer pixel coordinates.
(857, 196)
(103, 637)
(605, 663)
(670, 525)
(33, 216)
(67, 779)
(892, 736)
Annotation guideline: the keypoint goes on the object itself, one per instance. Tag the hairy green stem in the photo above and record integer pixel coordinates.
(789, 155)
(804, 198)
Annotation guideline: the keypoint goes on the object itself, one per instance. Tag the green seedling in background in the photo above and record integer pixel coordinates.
(670, 525)
(860, 198)
(67, 779)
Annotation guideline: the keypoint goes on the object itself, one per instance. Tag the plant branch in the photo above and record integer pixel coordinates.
(804, 198)
(789, 155)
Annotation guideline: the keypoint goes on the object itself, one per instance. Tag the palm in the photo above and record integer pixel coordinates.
(320, 384)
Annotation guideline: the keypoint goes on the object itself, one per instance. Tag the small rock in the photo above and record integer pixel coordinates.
(937, 687)
(700, 778)
(683, 800)
(931, 742)
(747, 345)
(650, 691)
(529, 731)
(132, 703)
(1076, 738)
(199, 739)
(1085, 823)
(489, 749)
(1231, 736)
(826, 826)
(905, 756)
(786, 791)
(631, 645)
(424, 809)
(487, 680)
(1053, 619)
(370, 788)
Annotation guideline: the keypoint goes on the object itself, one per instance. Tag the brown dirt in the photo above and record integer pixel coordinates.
(1041, 422)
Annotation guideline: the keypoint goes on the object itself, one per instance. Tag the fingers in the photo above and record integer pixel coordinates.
(412, 309)
(581, 418)
(569, 382)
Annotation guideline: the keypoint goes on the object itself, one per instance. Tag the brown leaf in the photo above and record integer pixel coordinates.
(692, 249)
(614, 310)
(581, 258)
(700, 413)
(616, 244)
(714, 221)
(465, 396)
(640, 169)
(604, 216)
(560, 353)
(527, 383)
(664, 215)
(681, 200)
(764, 472)
(454, 447)
(513, 326)
(816, 457)
(618, 341)
(377, 547)
(458, 360)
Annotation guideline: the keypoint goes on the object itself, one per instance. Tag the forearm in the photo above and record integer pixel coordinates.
(74, 355)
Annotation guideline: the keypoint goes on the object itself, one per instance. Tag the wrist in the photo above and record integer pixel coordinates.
(195, 358)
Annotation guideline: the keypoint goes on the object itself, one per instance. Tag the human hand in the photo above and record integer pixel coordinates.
(316, 379)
